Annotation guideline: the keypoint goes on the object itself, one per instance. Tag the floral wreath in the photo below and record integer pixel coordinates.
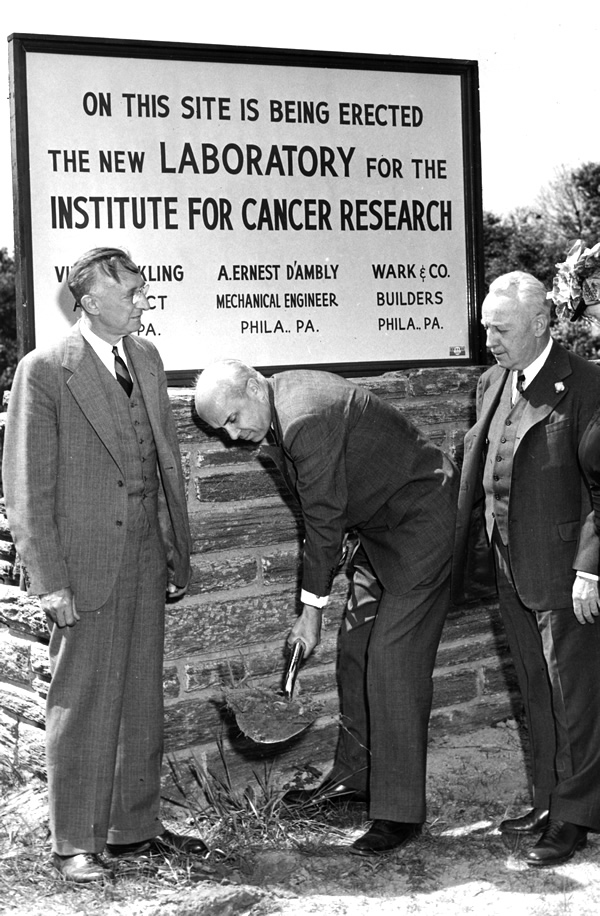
(571, 292)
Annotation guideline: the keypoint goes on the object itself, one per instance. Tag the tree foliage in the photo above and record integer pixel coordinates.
(561, 206)
(8, 321)
(579, 337)
(587, 182)
(536, 238)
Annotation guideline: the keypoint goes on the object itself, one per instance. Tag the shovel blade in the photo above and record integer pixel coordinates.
(269, 717)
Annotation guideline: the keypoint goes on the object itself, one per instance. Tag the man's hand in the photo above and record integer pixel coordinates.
(447, 470)
(586, 601)
(307, 629)
(60, 607)
(175, 591)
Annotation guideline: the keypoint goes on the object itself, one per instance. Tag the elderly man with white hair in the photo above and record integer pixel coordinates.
(524, 503)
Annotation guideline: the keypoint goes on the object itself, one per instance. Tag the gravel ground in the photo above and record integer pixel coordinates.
(460, 865)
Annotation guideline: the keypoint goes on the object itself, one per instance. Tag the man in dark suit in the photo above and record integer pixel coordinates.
(90, 452)
(355, 463)
(521, 471)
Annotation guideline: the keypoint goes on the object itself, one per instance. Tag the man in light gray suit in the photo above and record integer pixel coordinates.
(90, 454)
(355, 463)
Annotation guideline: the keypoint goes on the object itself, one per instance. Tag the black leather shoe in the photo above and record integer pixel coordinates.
(383, 836)
(329, 792)
(532, 822)
(82, 868)
(166, 845)
(169, 844)
(558, 843)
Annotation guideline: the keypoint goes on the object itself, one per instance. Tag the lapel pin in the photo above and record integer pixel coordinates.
(558, 387)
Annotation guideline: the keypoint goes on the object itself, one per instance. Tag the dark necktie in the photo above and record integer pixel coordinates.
(517, 391)
(123, 376)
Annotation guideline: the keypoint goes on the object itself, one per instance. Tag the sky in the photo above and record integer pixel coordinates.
(538, 65)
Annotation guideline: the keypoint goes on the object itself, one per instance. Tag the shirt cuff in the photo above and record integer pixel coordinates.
(586, 575)
(313, 600)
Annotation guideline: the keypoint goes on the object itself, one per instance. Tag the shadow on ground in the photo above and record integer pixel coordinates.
(460, 865)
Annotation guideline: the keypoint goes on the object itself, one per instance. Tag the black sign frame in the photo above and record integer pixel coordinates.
(21, 46)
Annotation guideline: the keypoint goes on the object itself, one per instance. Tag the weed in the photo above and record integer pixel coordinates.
(269, 858)
(243, 819)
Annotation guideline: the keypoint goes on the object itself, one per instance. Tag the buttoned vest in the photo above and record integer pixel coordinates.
(136, 441)
(502, 440)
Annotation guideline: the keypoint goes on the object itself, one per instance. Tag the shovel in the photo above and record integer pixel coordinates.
(270, 717)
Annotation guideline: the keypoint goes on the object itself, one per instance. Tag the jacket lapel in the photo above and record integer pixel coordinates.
(476, 437)
(277, 452)
(547, 389)
(86, 387)
(491, 398)
(145, 370)
(146, 377)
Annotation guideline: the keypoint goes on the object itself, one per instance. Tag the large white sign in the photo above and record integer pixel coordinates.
(289, 215)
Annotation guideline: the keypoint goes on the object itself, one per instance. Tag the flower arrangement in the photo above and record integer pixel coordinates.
(577, 283)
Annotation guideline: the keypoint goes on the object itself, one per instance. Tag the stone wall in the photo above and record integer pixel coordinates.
(244, 598)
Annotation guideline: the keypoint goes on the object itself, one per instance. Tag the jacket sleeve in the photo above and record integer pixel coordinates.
(473, 572)
(588, 546)
(30, 471)
(316, 448)
(173, 515)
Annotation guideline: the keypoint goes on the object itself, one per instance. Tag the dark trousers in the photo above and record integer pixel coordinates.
(104, 715)
(387, 649)
(557, 660)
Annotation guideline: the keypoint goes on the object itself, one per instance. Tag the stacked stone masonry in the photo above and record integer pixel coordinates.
(247, 534)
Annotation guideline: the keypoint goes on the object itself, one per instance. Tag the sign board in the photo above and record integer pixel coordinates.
(288, 208)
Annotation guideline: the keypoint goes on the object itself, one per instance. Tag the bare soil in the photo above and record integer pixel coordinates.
(265, 715)
(460, 865)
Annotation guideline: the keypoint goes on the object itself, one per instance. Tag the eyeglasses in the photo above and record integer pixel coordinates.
(141, 292)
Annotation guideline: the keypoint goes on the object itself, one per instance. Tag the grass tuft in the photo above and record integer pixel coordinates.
(241, 820)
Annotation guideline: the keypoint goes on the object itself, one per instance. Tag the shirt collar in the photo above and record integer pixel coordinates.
(102, 348)
(532, 370)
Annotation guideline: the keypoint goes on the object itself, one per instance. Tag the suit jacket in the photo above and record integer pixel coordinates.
(355, 462)
(65, 495)
(550, 525)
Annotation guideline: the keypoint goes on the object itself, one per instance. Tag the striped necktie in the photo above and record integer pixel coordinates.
(123, 376)
(518, 390)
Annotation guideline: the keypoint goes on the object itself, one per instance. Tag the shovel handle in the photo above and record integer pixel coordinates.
(291, 671)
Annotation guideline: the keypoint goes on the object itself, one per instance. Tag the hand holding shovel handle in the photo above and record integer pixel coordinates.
(291, 670)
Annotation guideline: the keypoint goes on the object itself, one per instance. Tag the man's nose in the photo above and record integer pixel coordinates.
(232, 431)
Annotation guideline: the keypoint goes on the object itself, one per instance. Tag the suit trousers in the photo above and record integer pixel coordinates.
(557, 660)
(104, 717)
(387, 649)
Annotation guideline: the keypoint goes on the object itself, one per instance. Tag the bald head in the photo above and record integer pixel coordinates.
(232, 396)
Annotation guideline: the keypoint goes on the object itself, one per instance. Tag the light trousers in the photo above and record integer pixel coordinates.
(104, 715)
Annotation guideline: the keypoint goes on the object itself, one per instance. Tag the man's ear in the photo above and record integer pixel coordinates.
(253, 388)
(256, 388)
(541, 324)
(88, 304)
